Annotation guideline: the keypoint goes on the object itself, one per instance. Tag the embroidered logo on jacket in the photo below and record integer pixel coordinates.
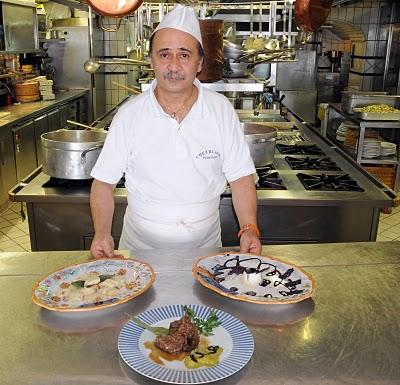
(208, 154)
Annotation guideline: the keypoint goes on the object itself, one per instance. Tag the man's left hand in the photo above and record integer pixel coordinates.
(250, 242)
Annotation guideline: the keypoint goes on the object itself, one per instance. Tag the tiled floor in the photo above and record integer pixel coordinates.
(14, 232)
(389, 226)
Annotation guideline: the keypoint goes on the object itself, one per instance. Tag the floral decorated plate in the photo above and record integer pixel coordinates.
(254, 278)
(93, 285)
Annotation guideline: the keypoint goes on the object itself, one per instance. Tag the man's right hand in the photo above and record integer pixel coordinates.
(102, 247)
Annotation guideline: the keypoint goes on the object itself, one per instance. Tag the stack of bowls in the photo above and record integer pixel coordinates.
(232, 50)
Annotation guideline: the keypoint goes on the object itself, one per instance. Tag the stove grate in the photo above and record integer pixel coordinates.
(326, 182)
(307, 163)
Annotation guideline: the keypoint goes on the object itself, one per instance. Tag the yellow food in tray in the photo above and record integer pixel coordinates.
(379, 108)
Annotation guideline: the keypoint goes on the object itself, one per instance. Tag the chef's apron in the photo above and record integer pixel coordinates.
(150, 225)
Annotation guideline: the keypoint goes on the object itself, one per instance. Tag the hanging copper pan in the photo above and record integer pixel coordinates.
(311, 14)
(112, 8)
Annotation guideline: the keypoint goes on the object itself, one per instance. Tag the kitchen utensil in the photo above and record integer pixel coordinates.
(92, 65)
(71, 154)
(134, 90)
(311, 14)
(248, 44)
(259, 41)
(261, 141)
(113, 8)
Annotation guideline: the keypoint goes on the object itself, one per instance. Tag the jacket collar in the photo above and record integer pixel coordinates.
(196, 110)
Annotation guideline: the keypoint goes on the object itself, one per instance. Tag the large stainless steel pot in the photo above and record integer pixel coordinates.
(261, 140)
(71, 154)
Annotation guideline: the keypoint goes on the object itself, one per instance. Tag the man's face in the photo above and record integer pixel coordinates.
(175, 60)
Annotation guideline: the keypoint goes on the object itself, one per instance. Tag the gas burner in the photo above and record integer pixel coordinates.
(298, 149)
(71, 184)
(269, 180)
(329, 182)
(308, 163)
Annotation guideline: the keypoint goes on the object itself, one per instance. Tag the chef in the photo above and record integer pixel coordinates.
(177, 145)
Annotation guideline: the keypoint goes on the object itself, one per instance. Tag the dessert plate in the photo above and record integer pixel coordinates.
(132, 279)
(254, 278)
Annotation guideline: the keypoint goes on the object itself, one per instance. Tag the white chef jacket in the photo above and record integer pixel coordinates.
(175, 172)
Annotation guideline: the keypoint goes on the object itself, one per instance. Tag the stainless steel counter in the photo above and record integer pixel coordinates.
(23, 111)
(349, 333)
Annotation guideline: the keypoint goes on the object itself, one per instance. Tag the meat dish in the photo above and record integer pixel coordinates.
(182, 336)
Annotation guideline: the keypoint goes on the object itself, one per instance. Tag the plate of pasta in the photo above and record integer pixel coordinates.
(93, 285)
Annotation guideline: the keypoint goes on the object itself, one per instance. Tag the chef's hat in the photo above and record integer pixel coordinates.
(183, 19)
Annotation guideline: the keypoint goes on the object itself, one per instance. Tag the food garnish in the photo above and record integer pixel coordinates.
(205, 327)
(199, 358)
(157, 330)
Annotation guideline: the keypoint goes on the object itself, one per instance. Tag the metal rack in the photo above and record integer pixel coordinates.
(335, 115)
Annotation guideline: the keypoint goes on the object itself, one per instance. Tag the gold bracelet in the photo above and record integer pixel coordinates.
(249, 226)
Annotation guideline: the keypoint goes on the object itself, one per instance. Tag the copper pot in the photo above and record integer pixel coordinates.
(114, 8)
(311, 14)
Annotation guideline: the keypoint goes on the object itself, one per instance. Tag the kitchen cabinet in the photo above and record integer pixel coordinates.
(8, 172)
(24, 148)
(54, 119)
(82, 112)
(63, 115)
(41, 126)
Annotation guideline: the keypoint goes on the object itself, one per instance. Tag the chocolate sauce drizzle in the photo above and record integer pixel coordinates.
(233, 266)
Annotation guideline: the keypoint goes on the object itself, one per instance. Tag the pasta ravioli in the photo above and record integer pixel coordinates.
(94, 288)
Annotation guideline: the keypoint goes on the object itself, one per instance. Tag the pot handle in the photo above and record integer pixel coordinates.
(263, 140)
(83, 155)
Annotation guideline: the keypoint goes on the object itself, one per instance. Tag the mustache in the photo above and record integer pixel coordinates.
(172, 75)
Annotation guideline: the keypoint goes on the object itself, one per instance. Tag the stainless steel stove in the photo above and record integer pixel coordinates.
(311, 193)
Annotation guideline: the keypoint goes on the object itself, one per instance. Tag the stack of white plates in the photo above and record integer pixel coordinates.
(371, 148)
(341, 132)
(388, 148)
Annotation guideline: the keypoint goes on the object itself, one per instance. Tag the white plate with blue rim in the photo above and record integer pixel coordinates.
(232, 335)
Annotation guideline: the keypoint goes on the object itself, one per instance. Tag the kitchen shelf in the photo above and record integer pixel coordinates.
(336, 115)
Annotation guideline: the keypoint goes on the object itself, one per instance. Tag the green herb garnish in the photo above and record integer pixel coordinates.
(204, 327)
(158, 330)
(81, 283)
(78, 284)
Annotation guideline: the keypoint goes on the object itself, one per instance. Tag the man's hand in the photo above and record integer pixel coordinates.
(250, 242)
(102, 247)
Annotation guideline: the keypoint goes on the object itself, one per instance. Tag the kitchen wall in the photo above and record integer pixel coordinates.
(371, 18)
(115, 45)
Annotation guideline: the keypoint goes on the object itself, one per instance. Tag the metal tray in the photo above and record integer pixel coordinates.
(356, 99)
(392, 116)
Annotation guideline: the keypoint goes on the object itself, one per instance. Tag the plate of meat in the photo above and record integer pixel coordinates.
(93, 285)
(254, 278)
(185, 344)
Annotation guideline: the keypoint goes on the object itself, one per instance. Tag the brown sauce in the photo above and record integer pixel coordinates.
(157, 355)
